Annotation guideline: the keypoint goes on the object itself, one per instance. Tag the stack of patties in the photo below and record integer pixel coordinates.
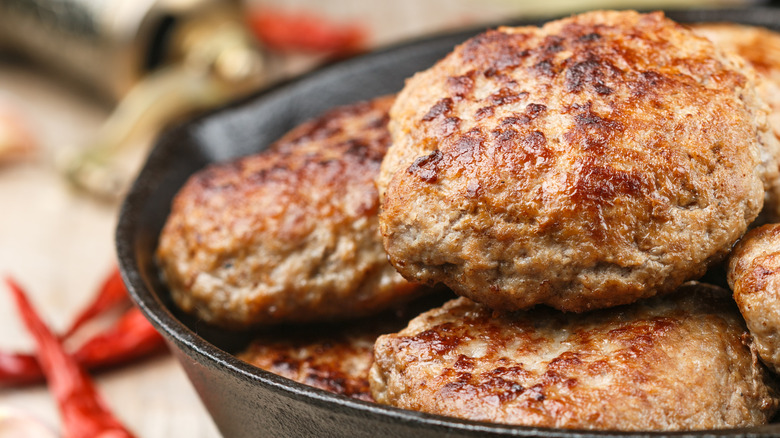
(598, 162)
(567, 181)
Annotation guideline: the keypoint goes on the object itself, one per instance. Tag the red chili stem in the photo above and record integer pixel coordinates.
(84, 413)
(111, 293)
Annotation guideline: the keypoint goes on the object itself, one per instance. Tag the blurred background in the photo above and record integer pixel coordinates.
(86, 85)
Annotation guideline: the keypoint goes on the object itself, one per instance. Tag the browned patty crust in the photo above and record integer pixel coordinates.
(289, 234)
(594, 161)
(761, 49)
(677, 362)
(336, 359)
(754, 276)
(333, 357)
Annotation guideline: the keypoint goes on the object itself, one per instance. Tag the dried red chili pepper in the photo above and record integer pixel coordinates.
(19, 369)
(302, 31)
(131, 337)
(111, 293)
(84, 413)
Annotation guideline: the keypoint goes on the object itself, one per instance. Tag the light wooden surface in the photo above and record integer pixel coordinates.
(59, 245)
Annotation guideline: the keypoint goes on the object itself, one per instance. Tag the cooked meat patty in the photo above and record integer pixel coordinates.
(754, 276)
(594, 161)
(289, 234)
(682, 361)
(761, 48)
(335, 358)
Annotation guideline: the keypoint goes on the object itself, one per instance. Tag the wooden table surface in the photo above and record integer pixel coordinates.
(59, 244)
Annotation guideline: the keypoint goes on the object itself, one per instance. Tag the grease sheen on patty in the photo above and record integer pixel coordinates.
(761, 49)
(754, 276)
(289, 234)
(682, 361)
(594, 161)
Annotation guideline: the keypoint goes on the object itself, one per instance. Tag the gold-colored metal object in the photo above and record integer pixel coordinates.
(213, 60)
(160, 58)
(107, 45)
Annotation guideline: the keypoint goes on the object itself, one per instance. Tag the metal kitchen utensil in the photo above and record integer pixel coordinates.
(161, 59)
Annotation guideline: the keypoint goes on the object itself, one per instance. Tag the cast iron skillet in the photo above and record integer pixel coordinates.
(245, 401)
